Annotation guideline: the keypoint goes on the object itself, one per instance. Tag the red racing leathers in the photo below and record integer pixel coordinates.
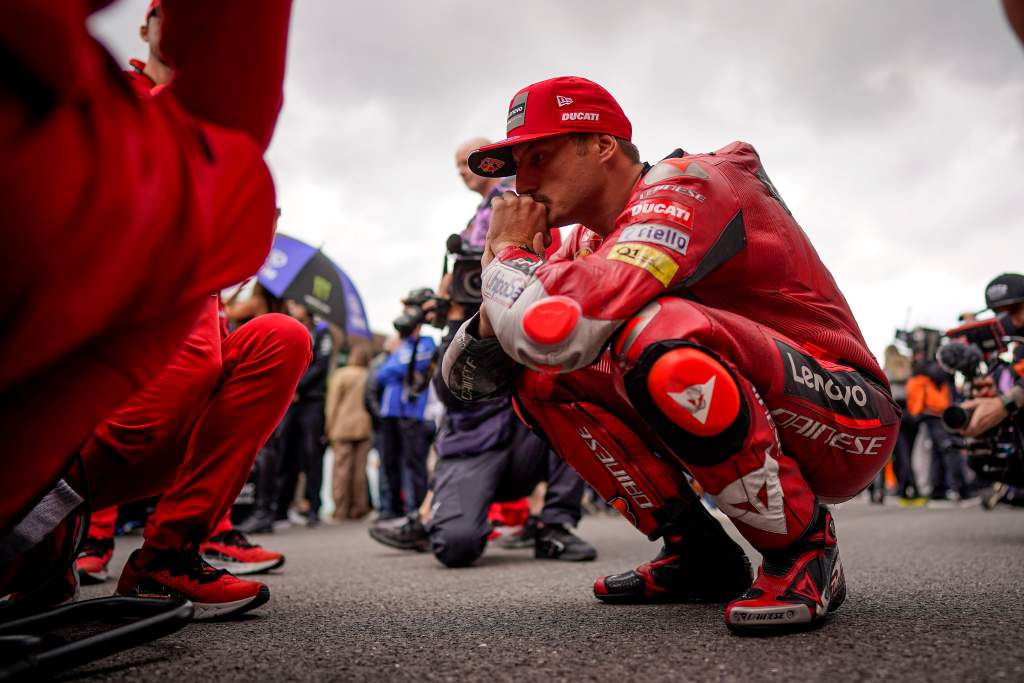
(191, 433)
(705, 255)
(121, 215)
(151, 432)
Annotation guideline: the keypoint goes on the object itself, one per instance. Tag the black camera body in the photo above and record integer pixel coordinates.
(413, 314)
(973, 350)
(921, 340)
(467, 272)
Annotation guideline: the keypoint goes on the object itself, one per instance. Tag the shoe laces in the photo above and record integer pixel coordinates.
(191, 564)
(236, 538)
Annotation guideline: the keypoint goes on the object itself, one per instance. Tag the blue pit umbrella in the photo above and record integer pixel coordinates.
(299, 271)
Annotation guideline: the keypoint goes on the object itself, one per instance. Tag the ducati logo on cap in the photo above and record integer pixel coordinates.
(490, 164)
(563, 101)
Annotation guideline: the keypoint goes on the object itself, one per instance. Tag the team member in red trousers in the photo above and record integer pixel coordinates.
(154, 416)
(124, 215)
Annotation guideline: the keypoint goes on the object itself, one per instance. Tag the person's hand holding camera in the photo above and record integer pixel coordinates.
(988, 413)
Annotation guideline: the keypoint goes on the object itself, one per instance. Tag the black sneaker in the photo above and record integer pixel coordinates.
(700, 564)
(259, 522)
(404, 533)
(555, 542)
(523, 538)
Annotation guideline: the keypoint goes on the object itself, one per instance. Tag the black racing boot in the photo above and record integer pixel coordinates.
(701, 564)
(796, 586)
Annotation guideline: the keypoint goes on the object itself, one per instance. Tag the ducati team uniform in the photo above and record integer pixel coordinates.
(703, 335)
(153, 428)
(155, 203)
(192, 433)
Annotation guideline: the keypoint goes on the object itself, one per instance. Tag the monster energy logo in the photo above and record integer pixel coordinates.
(321, 288)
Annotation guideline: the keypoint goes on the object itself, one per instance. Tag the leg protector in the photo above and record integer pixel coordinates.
(692, 399)
(653, 494)
(741, 464)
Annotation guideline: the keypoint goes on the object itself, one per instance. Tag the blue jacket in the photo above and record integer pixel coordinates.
(393, 373)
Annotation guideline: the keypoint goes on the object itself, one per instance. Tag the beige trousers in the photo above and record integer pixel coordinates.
(351, 497)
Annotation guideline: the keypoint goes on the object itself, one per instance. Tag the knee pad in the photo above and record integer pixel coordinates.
(693, 400)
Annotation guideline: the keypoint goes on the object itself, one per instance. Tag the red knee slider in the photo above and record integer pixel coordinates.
(694, 391)
(551, 320)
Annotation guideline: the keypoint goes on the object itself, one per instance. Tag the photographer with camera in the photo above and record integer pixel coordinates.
(1005, 297)
(405, 436)
(929, 394)
(486, 454)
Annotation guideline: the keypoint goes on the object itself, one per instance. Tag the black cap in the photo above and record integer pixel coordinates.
(1005, 290)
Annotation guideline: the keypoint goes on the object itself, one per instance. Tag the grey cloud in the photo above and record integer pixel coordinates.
(893, 129)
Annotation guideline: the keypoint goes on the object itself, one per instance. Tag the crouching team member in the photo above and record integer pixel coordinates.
(691, 327)
(163, 201)
(151, 418)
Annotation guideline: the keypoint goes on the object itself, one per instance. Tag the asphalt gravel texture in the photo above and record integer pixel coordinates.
(934, 594)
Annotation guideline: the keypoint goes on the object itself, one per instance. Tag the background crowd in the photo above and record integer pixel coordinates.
(368, 434)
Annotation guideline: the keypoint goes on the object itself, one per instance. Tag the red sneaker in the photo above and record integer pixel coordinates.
(231, 550)
(92, 562)
(796, 587)
(184, 573)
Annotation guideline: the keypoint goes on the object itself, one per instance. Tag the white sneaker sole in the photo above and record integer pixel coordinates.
(89, 578)
(243, 568)
(215, 610)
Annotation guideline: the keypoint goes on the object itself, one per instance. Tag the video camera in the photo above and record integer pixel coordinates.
(974, 351)
(466, 273)
(920, 340)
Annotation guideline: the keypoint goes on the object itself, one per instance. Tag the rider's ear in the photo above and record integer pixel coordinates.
(607, 147)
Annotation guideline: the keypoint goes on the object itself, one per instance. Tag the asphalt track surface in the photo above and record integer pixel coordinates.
(934, 595)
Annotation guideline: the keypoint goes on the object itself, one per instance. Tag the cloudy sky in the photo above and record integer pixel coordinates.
(894, 130)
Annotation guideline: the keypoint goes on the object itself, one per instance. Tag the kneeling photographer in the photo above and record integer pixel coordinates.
(486, 454)
(990, 418)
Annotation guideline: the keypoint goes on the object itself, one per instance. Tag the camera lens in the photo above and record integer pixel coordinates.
(956, 418)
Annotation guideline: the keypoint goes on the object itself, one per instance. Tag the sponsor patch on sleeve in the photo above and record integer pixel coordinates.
(660, 210)
(655, 261)
(503, 284)
(522, 264)
(662, 235)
